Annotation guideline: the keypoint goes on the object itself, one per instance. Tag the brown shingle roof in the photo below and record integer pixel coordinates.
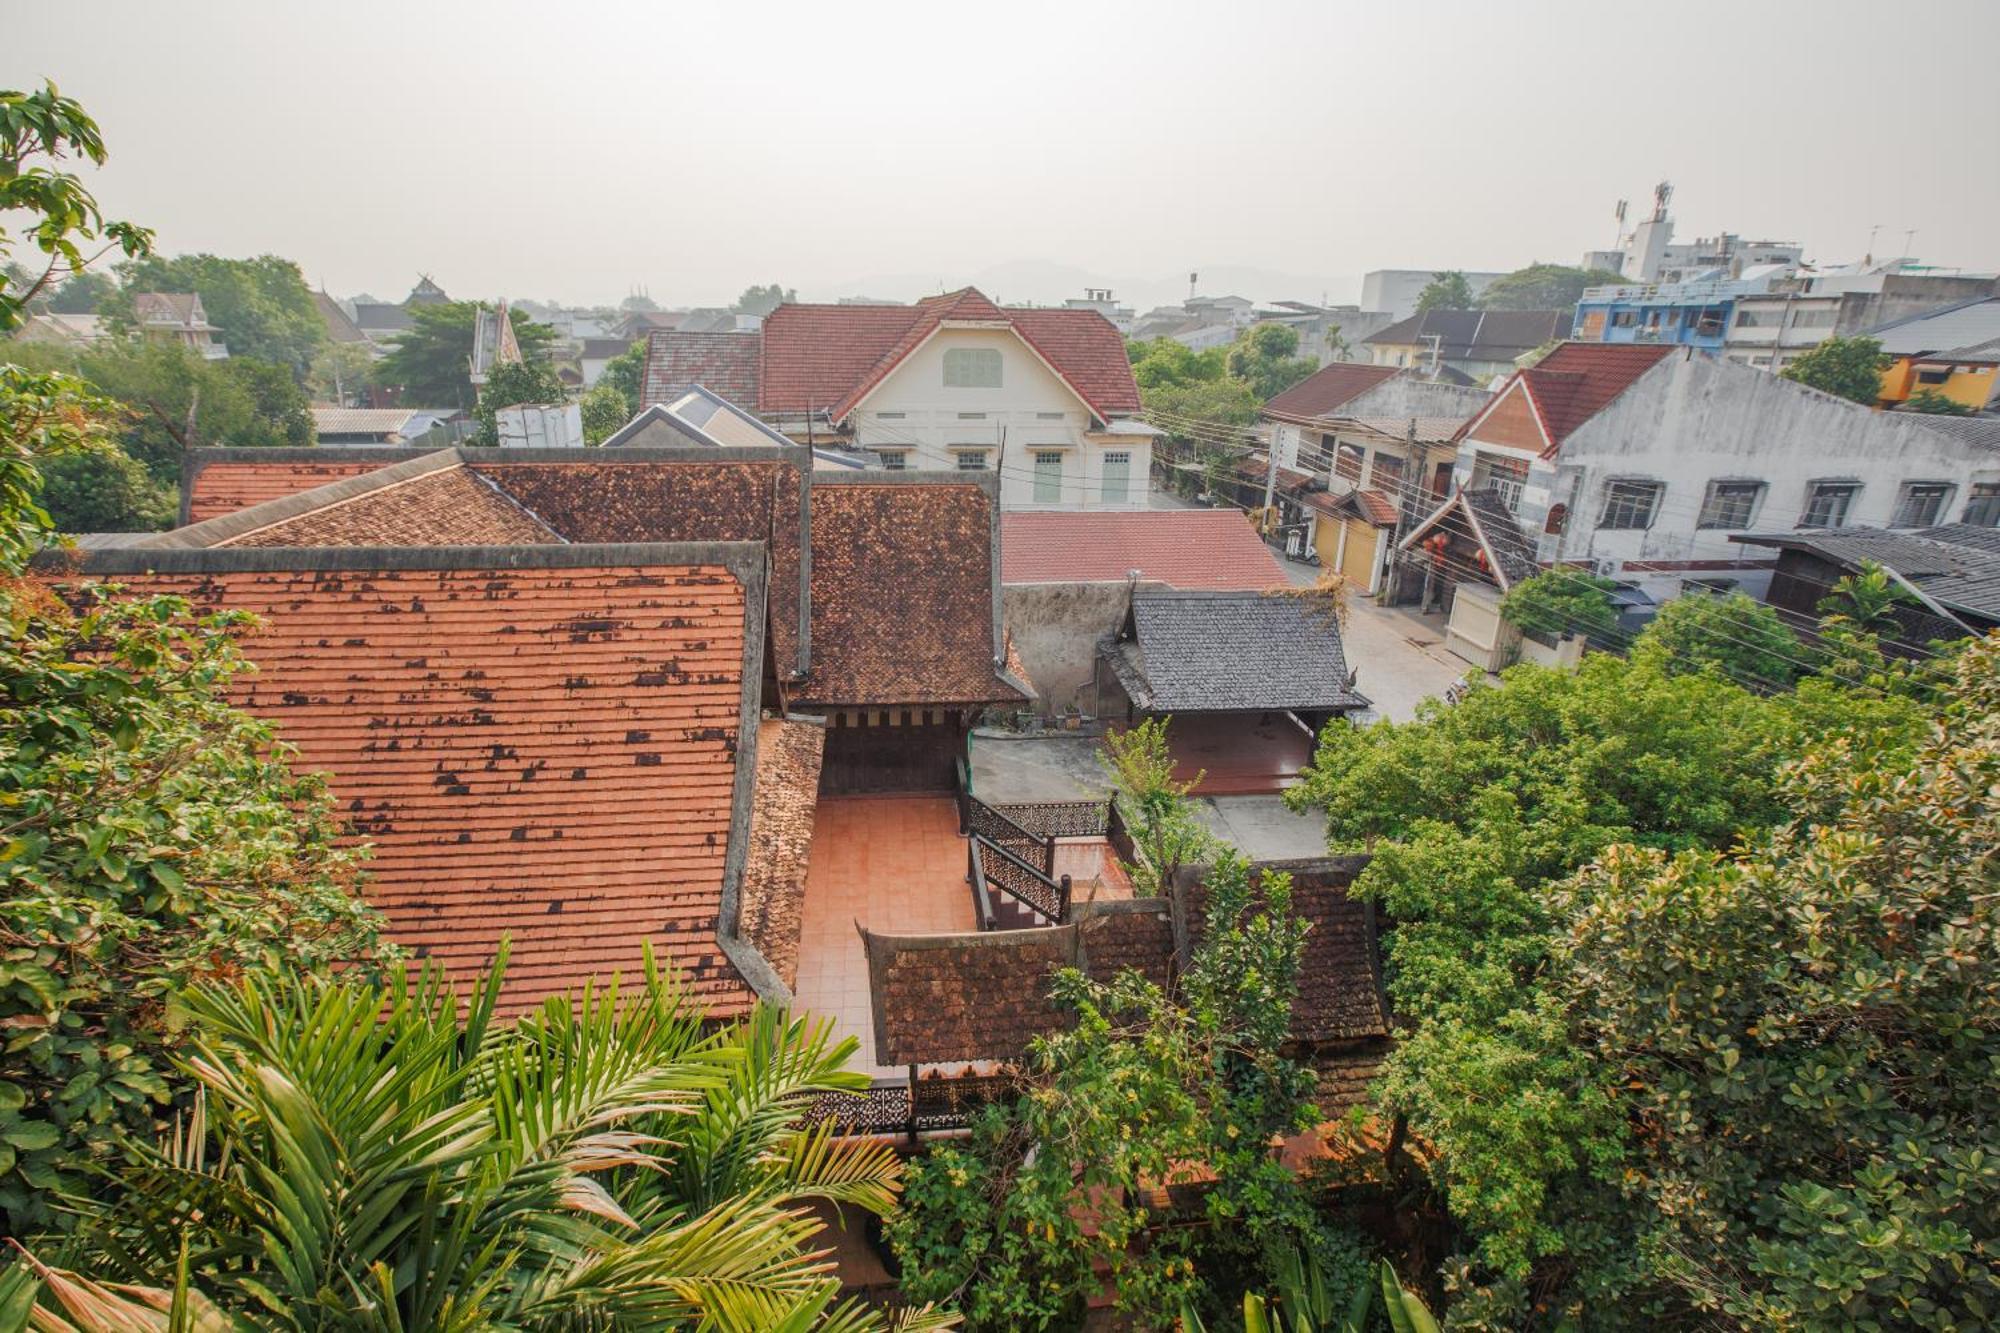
(781, 829)
(1328, 388)
(217, 485)
(545, 750)
(679, 501)
(881, 632)
(942, 999)
(449, 507)
(723, 362)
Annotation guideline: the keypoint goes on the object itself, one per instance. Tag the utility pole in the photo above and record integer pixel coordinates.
(1271, 480)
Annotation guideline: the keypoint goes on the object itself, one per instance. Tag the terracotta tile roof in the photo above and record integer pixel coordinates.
(448, 507)
(1183, 548)
(880, 633)
(943, 999)
(827, 357)
(1578, 380)
(781, 831)
(692, 501)
(547, 752)
(1132, 933)
(1326, 389)
(1340, 987)
(220, 487)
(724, 362)
(1369, 505)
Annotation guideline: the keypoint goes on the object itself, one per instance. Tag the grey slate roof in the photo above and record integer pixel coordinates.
(1962, 325)
(1216, 652)
(1983, 432)
(1956, 565)
(1505, 541)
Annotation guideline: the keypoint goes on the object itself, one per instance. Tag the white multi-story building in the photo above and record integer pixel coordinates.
(1044, 397)
(1641, 463)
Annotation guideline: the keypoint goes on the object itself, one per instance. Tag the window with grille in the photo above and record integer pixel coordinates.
(894, 460)
(1921, 504)
(1048, 476)
(972, 368)
(1630, 504)
(1827, 503)
(1982, 506)
(1730, 504)
(972, 460)
(1385, 473)
(1117, 476)
(1813, 319)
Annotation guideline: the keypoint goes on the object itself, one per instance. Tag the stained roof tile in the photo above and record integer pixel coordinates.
(726, 363)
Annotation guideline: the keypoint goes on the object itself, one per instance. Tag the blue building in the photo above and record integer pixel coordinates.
(1685, 314)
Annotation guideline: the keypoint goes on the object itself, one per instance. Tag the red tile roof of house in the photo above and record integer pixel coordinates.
(219, 487)
(1321, 392)
(933, 642)
(448, 507)
(1183, 548)
(1578, 380)
(547, 751)
(825, 358)
(725, 363)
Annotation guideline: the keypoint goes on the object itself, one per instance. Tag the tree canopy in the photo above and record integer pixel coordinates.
(513, 383)
(625, 374)
(1849, 368)
(82, 294)
(1544, 287)
(39, 132)
(763, 300)
(1265, 357)
(1448, 290)
(431, 362)
(1562, 601)
(1733, 634)
(1932, 403)
(1479, 816)
(262, 306)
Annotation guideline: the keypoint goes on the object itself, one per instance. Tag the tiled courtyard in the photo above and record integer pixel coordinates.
(892, 863)
(896, 864)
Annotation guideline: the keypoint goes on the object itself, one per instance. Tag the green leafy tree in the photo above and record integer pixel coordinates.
(1562, 601)
(1166, 363)
(1142, 1084)
(82, 294)
(1544, 287)
(1805, 1036)
(512, 384)
(1932, 403)
(1849, 368)
(1265, 356)
(763, 300)
(175, 399)
(1448, 290)
(1476, 813)
(1154, 804)
(38, 133)
(1866, 600)
(43, 416)
(341, 372)
(104, 490)
(431, 362)
(603, 409)
(263, 306)
(626, 374)
(1734, 634)
(154, 836)
(395, 1157)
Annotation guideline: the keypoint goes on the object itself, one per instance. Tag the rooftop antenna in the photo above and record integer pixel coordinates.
(1193, 278)
(1619, 214)
(1869, 258)
(1909, 243)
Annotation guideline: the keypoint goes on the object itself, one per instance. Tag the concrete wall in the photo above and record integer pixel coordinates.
(1694, 419)
(1055, 628)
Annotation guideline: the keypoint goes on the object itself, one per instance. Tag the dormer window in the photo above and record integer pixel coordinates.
(972, 368)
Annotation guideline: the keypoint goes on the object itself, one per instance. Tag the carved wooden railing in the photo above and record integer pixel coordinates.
(998, 868)
(994, 825)
(1060, 819)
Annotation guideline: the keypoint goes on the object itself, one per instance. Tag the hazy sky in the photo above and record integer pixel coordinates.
(575, 150)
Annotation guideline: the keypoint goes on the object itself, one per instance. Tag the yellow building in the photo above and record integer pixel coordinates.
(1954, 352)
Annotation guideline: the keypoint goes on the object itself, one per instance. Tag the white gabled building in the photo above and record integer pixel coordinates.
(954, 383)
(1642, 462)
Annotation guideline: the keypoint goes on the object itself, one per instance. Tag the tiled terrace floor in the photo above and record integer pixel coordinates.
(896, 864)
(1237, 754)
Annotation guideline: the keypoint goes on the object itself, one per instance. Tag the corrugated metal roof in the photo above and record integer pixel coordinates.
(1958, 326)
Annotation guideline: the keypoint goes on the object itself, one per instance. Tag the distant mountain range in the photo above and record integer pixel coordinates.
(1041, 282)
